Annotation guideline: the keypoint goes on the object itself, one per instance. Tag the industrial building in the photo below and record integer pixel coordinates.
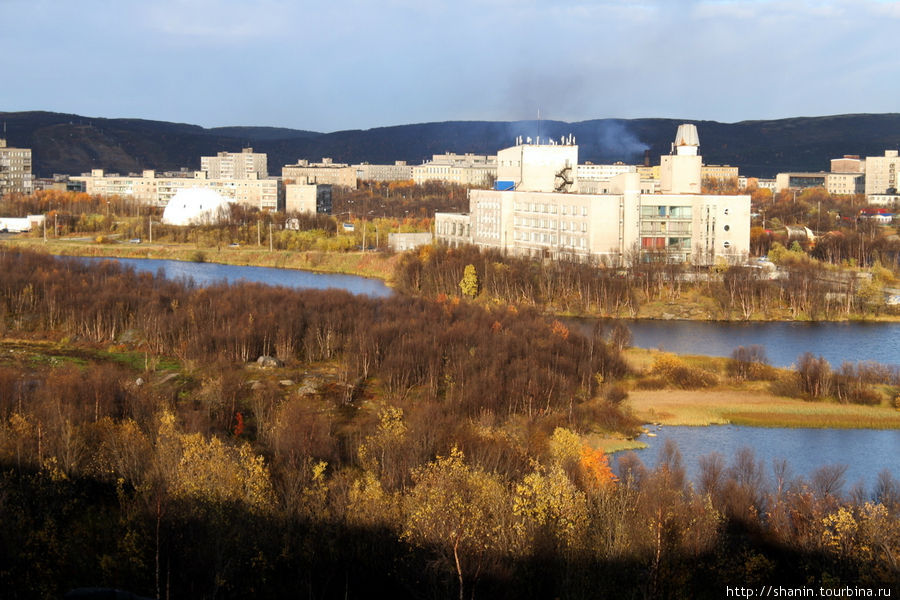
(540, 208)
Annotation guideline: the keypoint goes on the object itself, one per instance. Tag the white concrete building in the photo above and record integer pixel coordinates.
(245, 164)
(680, 224)
(150, 188)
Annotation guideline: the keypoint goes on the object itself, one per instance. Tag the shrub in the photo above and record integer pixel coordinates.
(615, 394)
(678, 374)
(815, 375)
(749, 362)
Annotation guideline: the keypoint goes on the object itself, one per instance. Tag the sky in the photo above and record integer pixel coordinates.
(358, 64)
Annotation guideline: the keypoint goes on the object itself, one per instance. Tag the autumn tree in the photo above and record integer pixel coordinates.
(468, 285)
(459, 511)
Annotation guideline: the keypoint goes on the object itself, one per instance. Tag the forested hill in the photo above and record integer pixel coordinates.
(64, 143)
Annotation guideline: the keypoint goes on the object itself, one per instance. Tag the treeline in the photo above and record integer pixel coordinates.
(400, 199)
(802, 287)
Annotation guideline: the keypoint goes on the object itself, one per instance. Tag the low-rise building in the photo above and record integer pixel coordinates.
(307, 197)
(401, 242)
(838, 184)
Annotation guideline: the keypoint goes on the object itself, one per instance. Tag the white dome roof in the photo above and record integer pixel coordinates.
(195, 206)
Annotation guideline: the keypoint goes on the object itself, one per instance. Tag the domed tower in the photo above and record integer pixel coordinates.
(680, 170)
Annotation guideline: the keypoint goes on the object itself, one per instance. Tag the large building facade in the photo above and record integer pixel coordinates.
(882, 175)
(15, 170)
(462, 169)
(399, 171)
(150, 188)
(544, 213)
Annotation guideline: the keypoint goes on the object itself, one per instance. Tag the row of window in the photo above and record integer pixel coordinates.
(665, 227)
(549, 224)
(550, 238)
(673, 212)
(550, 208)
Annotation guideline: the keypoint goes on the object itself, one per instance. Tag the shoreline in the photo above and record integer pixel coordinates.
(372, 265)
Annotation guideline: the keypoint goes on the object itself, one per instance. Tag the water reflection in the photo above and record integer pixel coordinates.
(866, 452)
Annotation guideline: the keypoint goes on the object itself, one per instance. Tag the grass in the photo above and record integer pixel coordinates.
(44, 353)
(756, 408)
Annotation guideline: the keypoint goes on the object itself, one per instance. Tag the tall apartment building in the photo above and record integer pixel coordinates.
(326, 172)
(882, 176)
(15, 170)
(462, 169)
(150, 188)
(545, 213)
(245, 164)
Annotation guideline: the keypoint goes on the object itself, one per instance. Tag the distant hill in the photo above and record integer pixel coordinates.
(73, 144)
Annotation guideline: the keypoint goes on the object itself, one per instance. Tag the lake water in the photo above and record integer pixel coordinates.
(783, 341)
(209, 273)
(866, 452)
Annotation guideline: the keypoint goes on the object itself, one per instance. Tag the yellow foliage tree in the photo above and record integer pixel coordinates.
(208, 469)
(458, 509)
(550, 508)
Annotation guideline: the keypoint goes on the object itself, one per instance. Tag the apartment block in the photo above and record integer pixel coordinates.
(399, 171)
(150, 188)
(15, 170)
(245, 164)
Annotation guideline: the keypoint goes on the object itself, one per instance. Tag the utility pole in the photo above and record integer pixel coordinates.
(270, 237)
(258, 234)
(150, 224)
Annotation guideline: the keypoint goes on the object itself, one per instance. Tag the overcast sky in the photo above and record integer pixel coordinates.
(356, 64)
